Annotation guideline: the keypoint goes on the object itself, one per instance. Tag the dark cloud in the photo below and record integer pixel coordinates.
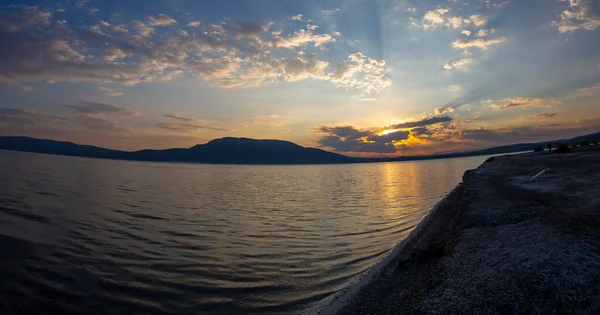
(347, 132)
(546, 115)
(522, 102)
(443, 110)
(351, 145)
(185, 123)
(27, 117)
(421, 123)
(499, 134)
(351, 139)
(420, 131)
(388, 138)
(19, 117)
(91, 108)
(96, 123)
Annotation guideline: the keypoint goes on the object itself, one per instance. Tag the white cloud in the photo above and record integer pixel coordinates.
(161, 20)
(478, 43)
(140, 28)
(296, 17)
(455, 22)
(500, 4)
(434, 17)
(458, 64)
(478, 20)
(361, 73)
(301, 38)
(579, 16)
(483, 32)
(466, 32)
(331, 12)
(227, 54)
(404, 6)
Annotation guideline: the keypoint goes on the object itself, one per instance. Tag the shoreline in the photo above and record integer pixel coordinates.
(497, 243)
(342, 299)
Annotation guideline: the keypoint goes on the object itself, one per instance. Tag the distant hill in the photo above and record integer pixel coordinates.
(218, 151)
(248, 151)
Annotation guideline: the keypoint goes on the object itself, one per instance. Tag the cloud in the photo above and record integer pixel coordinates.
(351, 139)
(228, 54)
(455, 88)
(439, 16)
(387, 139)
(361, 73)
(421, 122)
(404, 6)
(331, 12)
(301, 38)
(340, 145)
(27, 116)
(11, 22)
(297, 17)
(96, 123)
(139, 27)
(19, 117)
(519, 102)
(10, 82)
(347, 132)
(478, 43)
(181, 123)
(458, 64)
(546, 115)
(478, 20)
(93, 108)
(466, 32)
(434, 17)
(579, 16)
(590, 90)
(443, 110)
(161, 20)
(500, 4)
(109, 91)
(483, 32)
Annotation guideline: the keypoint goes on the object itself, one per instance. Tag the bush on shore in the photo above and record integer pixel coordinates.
(563, 148)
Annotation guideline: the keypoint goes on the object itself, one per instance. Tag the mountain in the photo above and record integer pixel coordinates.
(248, 151)
(218, 151)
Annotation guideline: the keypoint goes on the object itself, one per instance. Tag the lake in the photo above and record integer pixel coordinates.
(116, 237)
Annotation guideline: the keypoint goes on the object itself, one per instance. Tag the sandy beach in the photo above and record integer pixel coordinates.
(499, 243)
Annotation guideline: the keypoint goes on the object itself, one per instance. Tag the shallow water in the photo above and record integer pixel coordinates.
(81, 235)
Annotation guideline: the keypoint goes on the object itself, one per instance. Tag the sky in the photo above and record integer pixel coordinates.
(357, 77)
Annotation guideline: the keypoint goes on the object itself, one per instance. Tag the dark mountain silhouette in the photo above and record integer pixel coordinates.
(248, 151)
(218, 151)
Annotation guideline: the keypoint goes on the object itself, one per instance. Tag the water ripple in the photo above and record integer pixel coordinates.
(118, 237)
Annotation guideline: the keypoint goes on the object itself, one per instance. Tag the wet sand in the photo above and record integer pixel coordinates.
(499, 243)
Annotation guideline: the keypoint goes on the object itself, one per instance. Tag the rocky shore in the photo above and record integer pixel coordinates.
(499, 243)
